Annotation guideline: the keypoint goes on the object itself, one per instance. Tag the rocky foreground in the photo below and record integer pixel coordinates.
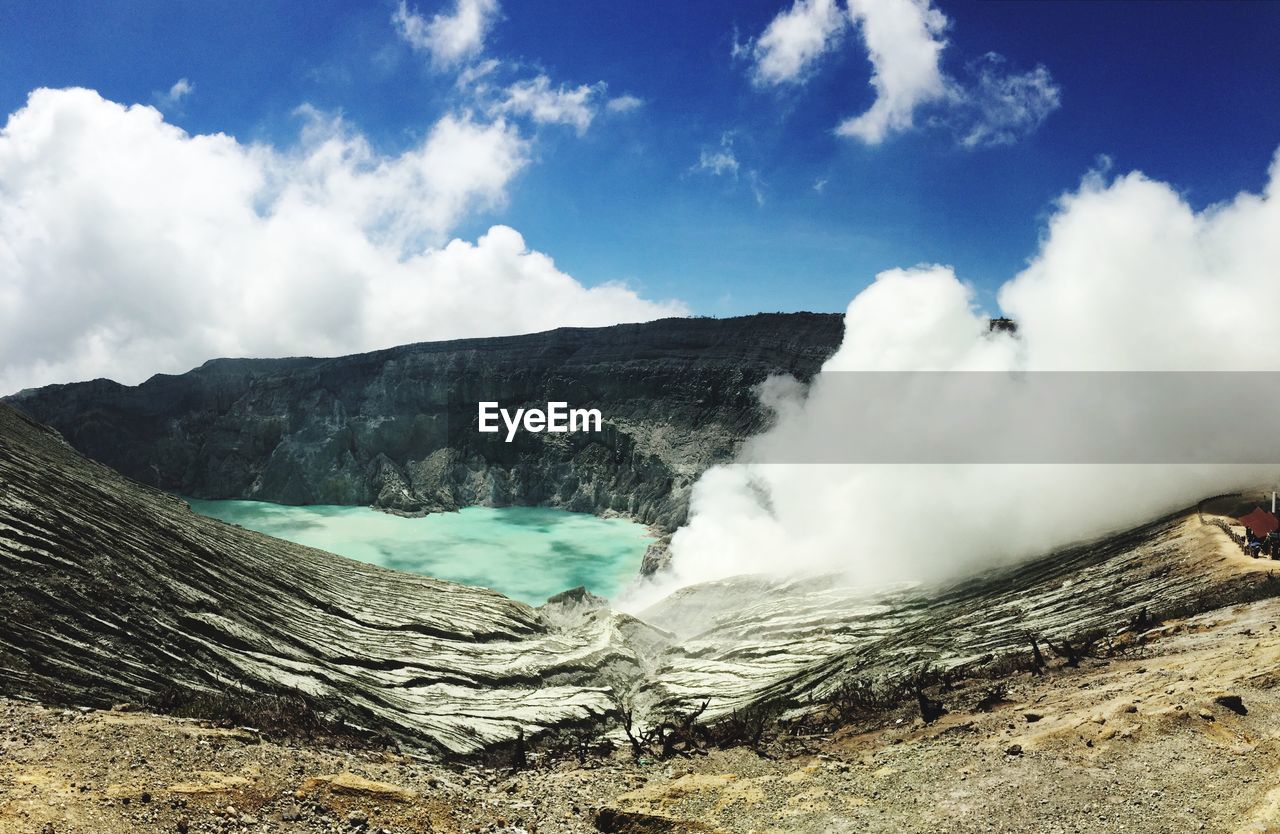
(1176, 732)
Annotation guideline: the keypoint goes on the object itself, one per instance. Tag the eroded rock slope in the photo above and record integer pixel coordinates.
(748, 641)
(113, 591)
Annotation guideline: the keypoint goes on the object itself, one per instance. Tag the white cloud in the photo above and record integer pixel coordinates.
(624, 104)
(448, 38)
(723, 162)
(756, 185)
(180, 90)
(408, 201)
(1000, 108)
(794, 40)
(476, 73)
(1128, 277)
(1160, 285)
(536, 99)
(904, 42)
(452, 39)
(129, 247)
(718, 161)
(740, 49)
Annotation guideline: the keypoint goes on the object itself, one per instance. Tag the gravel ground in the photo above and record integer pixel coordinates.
(1152, 740)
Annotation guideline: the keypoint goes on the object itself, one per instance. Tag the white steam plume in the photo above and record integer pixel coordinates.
(1128, 278)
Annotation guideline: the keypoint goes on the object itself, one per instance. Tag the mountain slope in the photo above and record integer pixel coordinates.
(113, 591)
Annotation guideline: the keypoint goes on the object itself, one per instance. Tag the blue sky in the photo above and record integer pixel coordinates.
(1187, 92)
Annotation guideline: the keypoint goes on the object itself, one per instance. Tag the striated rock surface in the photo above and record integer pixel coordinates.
(751, 640)
(1137, 743)
(397, 428)
(113, 591)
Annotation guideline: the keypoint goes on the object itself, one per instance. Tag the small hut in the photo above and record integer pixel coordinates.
(1259, 521)
(1260, 529)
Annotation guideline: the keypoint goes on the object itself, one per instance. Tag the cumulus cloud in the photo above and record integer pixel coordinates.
(1128, 277)
(1159, 285)
(904, 42)
(794, 40)
(448, 38)
(406, 201)
(539, 101)
(129, 247)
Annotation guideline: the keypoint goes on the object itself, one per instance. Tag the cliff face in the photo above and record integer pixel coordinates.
(397, 428)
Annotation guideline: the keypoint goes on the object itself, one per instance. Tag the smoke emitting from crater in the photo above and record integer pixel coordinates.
(1128, 277)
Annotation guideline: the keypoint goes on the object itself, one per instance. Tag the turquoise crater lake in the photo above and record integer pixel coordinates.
(527, 553)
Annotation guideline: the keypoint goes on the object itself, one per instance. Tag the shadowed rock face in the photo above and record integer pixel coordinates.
(114, 591)
(397, 428)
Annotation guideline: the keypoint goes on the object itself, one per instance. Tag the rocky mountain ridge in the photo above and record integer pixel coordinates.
(396, 428)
